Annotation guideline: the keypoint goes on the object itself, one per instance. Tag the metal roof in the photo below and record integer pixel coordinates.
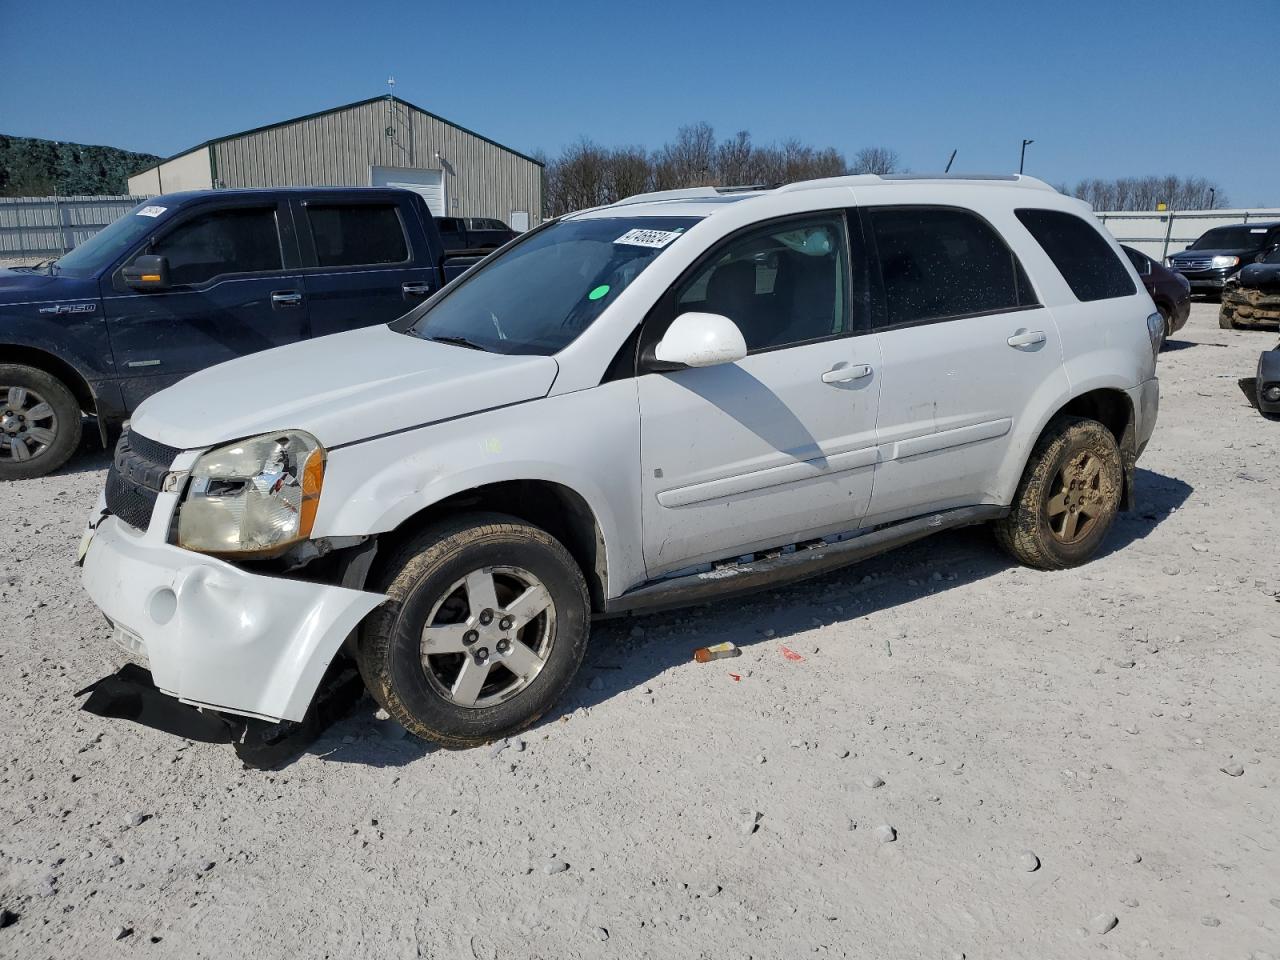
(338, 109)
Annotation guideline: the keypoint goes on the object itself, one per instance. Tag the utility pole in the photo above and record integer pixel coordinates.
(391, 103)
(1212, 191)
(1022, 158)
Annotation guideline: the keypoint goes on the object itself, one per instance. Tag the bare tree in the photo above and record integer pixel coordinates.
(1147, 193)
(628, 173)
(880, 160)
(687, 161)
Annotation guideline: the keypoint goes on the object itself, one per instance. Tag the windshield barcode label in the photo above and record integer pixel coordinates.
(647, 238)
(151, 211)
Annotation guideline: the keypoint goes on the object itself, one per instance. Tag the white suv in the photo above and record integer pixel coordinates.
(652, 403)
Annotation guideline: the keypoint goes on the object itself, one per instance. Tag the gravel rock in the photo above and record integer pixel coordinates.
(1103, 923)
(1211, 921)
(595, 683)
(1028, 861)
(885, 833)
(873, 782)
(122, 932)
(601, 933)
(553, 867)
(1233, 769)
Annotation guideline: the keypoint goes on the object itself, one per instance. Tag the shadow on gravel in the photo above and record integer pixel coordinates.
(89, 456)
(1172, 346)
(621, 661)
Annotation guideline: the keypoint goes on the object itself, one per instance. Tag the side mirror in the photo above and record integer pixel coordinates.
(700, 340)
(147, 272)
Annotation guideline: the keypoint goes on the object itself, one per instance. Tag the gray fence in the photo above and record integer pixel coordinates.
(1158, 233)
(50, 226)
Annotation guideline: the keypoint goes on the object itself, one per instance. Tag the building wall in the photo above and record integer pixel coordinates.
(187, 172)
(1158, 233)
(339, 148)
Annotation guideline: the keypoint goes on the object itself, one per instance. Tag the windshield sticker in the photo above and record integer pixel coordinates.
(151, 211)
(599, 292)
(648, 238)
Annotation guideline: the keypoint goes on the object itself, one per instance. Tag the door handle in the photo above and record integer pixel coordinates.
(286, 298)
(416, 288)
(845, 374)
(1026, 338)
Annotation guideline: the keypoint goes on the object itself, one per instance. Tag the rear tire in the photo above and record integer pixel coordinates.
(40, 422)
(486, 627)
(1068, 496)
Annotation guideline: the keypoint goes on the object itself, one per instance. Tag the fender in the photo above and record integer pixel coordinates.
(584, 443)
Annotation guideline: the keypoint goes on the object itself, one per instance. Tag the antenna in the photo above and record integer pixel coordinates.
(391, 86)
(951, 161)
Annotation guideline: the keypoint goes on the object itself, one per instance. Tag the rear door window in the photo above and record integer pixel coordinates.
(1081, 254)
(234, 240)
(357, 234)
(942, 263)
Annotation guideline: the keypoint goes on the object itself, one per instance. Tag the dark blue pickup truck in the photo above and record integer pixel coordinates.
(188, 280)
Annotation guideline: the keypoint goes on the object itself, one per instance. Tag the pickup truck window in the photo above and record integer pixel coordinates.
(542, 293)
(943, 263)
(232, 240)
(106, 246)
(783, 285)
(363, 234)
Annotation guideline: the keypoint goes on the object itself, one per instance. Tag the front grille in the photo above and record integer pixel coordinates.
(1202, 263)
(136, 477)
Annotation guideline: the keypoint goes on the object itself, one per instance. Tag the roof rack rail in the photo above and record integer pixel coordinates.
(870, 179)
(692, 193)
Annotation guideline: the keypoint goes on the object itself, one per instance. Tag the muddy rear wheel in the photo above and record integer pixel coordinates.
(1068, 497)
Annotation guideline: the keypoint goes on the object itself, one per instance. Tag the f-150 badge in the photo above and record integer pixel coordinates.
(70, 308)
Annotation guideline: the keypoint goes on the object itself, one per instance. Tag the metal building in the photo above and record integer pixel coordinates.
(382, 141)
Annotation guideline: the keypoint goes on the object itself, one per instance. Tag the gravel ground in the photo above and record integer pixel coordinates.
(970, 759)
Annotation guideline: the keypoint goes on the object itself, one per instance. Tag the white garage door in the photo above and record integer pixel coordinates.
(429, 183)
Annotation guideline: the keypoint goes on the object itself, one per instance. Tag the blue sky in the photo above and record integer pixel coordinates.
(1104, 88)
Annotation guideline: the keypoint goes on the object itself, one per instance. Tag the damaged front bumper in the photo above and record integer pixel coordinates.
(214, 635)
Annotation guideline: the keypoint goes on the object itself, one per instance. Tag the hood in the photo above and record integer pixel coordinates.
(341, 388)
(1260, 275)
(24, 285)
(1241, 252)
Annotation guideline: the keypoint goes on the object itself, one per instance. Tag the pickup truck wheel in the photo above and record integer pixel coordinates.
(39, 422)
(1068, 496)
(485, 630)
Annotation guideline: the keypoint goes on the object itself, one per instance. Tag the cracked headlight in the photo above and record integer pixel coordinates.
(255, 496)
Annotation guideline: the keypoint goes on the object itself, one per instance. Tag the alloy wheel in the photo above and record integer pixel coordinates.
(488, 637)
(1078, 499)
(28, 425)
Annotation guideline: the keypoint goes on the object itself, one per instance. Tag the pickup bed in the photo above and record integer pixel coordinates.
(188, 280)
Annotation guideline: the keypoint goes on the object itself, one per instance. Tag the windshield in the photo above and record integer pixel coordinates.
(110, 243)
(540, 295)
(1231, 238)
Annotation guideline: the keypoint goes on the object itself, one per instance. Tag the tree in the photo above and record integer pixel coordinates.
(879, 160)
(1146, 193)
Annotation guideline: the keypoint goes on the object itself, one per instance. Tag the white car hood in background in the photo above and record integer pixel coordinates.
(340, 388)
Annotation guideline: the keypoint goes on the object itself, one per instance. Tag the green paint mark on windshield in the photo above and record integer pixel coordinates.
(598, 292)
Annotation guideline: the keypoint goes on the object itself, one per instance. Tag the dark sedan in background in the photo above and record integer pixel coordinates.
(1170, 291)
(1220, 253)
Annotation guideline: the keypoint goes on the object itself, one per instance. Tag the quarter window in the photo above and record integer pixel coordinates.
(350, 235)
(785, 284)
(235, 240)
(943, 263)
(1081, 254)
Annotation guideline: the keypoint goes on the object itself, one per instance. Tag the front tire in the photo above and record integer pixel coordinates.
(486, 627)
(40, 422)
(1068, 496)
